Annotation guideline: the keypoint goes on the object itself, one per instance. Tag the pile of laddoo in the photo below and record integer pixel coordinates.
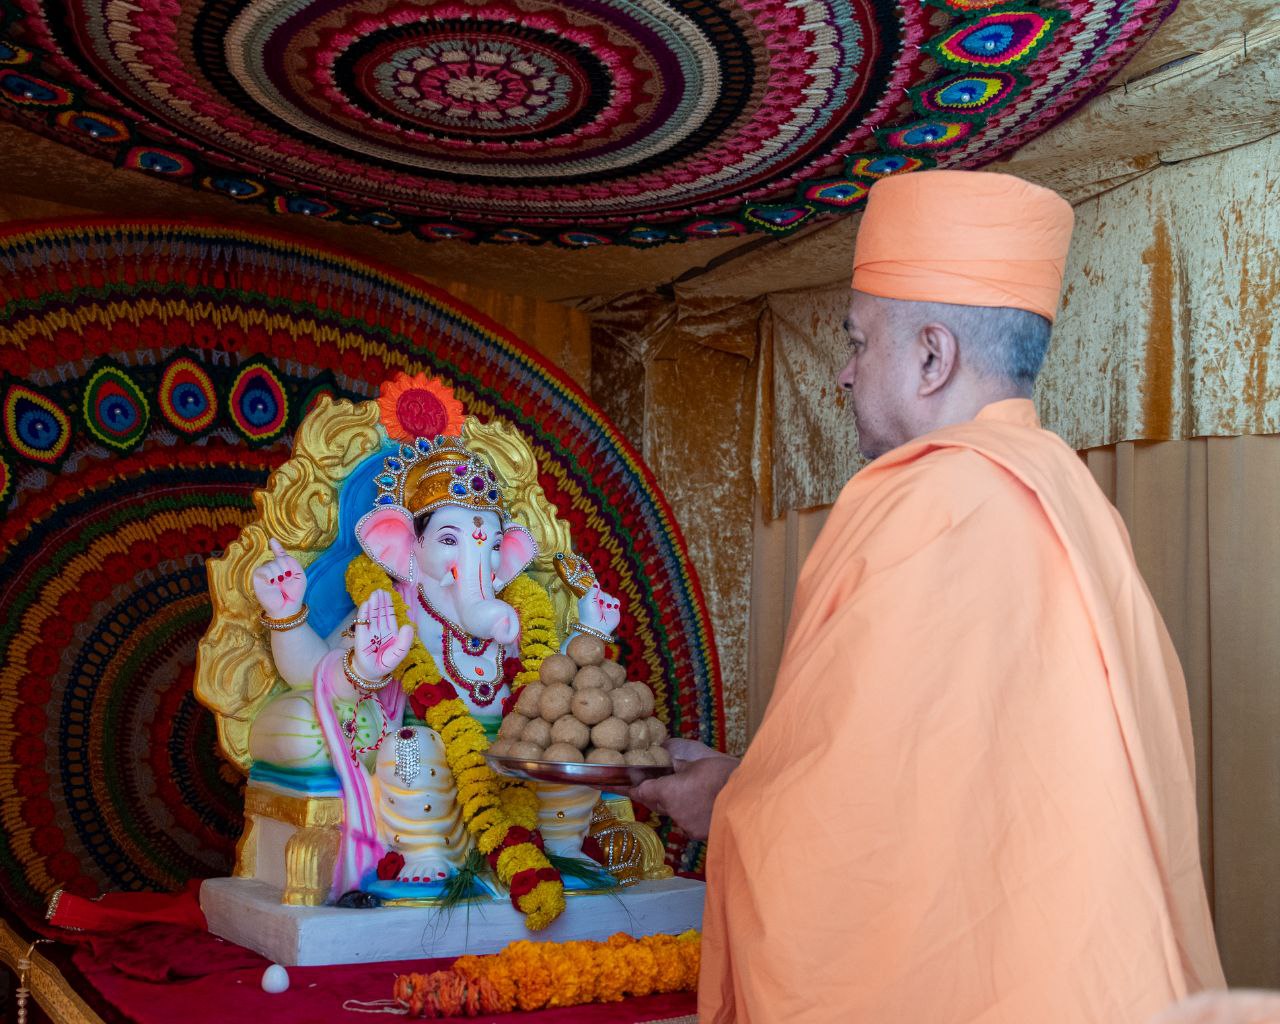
(583, 710)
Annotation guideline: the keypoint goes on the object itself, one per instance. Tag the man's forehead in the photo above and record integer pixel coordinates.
(861, 312)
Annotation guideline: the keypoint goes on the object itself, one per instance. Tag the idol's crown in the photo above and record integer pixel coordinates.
(432, 473)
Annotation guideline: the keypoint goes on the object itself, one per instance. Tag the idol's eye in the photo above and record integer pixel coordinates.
(497, 545)
(448, 540)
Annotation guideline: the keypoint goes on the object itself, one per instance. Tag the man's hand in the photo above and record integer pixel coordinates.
(687, 796)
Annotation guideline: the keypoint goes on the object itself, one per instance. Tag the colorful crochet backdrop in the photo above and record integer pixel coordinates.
(153, 375)
(611, 122)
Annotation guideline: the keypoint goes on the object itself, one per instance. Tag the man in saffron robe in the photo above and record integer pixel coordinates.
(972, 796)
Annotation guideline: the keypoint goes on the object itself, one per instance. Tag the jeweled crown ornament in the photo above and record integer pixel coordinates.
(431, 473)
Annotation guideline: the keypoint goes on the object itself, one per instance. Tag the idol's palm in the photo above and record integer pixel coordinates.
(380, 642)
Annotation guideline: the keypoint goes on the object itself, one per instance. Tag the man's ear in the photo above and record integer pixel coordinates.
(938, 356)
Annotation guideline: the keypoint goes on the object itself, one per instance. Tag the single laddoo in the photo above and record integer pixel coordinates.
(528, 700)
(611, 734)
(589, 678)
(591, 706)
(537, 731)
(554, 702)
(585, 650)
(563, 752)
(626, 705)
(512, 727)
(615, 673)
(645, 696)
(557, 668)
(577, 734)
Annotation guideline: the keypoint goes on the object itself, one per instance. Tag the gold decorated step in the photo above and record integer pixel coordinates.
(310, 852)
(632, 850)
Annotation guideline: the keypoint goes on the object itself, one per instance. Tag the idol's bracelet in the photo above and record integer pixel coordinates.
(357, 680)
(284, 625)
(599, 634)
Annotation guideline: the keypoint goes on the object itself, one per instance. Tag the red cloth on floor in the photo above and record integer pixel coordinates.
(231, 992)
(117, 911)
(168, 952)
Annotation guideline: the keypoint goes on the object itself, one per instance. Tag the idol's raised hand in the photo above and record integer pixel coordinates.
(280, 584)
(599, 610)
(380, 642)
(596, 609)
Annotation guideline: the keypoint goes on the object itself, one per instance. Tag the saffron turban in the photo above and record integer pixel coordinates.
(966, 237)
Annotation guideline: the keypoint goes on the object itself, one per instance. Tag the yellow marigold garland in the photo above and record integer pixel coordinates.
(490, 808)
(538, 638)
(538, 975)
(521, 803)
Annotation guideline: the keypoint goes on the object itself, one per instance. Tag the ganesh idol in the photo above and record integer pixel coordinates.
(395, 649)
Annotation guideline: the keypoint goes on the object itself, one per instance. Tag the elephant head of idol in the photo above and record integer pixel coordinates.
(441, 524)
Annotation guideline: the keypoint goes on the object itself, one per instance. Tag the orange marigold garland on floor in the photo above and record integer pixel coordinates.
(539, 975)
(501, 818)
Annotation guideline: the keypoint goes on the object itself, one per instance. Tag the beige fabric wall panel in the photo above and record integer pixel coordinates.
(1168, 326)
(814, 443)
(1244, 632)
(780, 547)
(1203, 514)
(1161, 490)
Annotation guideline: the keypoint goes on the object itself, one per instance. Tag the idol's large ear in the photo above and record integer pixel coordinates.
(387, 536)
(518, 550)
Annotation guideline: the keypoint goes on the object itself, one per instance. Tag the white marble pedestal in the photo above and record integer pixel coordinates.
(249, 912)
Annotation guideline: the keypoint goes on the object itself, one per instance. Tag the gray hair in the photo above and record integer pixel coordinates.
(998, 341)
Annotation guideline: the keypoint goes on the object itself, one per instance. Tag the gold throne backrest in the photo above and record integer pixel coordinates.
(235, 675)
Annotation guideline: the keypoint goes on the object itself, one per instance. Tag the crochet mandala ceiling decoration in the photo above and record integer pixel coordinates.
(580, 122)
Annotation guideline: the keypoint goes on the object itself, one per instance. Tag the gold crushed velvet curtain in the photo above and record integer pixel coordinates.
(681, 382)
(1170, 301)
(1204, 516)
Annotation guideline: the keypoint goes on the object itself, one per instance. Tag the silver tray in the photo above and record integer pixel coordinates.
(574, 773)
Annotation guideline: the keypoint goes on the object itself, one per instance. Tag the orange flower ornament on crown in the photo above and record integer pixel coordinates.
(419, 406)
